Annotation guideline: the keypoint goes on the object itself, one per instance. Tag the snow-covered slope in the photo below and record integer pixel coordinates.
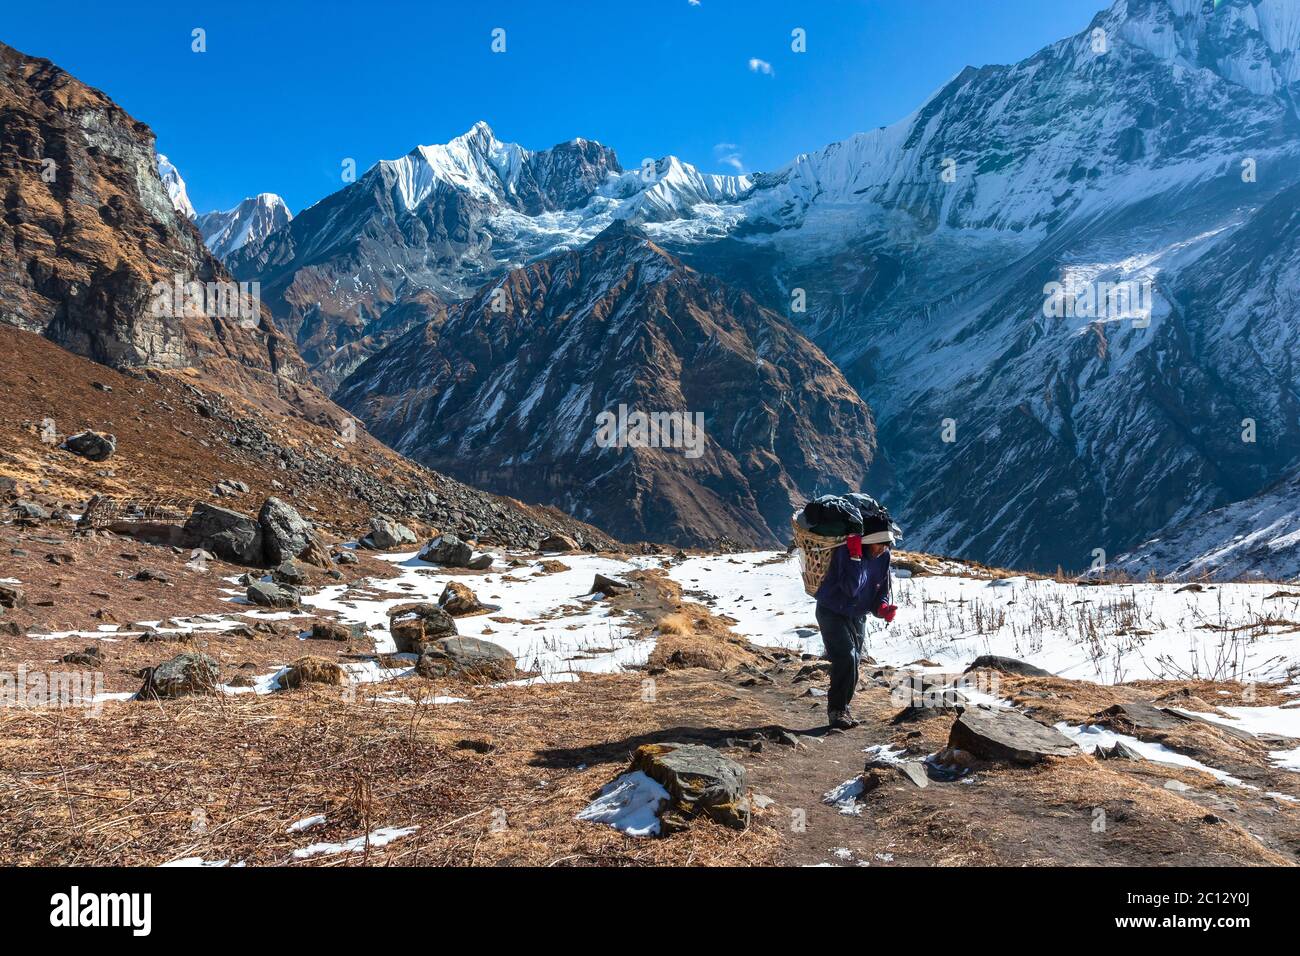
(1135, 152)
(175, 186)
(1107, 633)
(251, 221)
(1255, 538)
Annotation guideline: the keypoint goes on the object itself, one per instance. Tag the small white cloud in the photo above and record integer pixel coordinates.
(728, 154)
(761, 66)
(694, 3)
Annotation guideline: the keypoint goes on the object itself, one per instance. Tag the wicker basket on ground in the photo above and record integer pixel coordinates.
(815, 552)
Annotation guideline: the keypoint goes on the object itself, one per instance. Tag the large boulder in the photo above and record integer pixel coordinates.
(1136, 715)
(183, 674)
(1006, 735)
(457, 600)
(1007, 665)
(700, 781)
(558, 542)
(447, 549)
(469, 657)
(285, 533)
(227, 534)
(266, 594)
(414, 626)
(95, 446)
(386, 534)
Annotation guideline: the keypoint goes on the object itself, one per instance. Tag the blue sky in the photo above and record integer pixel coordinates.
(287, 90)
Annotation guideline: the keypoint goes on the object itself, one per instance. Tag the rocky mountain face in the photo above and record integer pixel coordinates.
(192, 399)
(90, 228)
(436, 224)
(1057, 283)
(251, 221)
(526, 387)
(926, 250)
(1257, 537)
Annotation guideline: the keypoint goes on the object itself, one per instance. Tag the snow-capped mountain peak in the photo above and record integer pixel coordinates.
(251, 221)
(175, 185)
(1253, 43)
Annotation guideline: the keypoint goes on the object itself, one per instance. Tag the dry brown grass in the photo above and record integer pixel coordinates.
(496, 781)
(690, 635)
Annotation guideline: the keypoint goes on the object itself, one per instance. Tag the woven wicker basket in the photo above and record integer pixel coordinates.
(815, 552)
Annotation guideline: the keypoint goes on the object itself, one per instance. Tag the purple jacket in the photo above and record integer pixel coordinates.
(855, 588)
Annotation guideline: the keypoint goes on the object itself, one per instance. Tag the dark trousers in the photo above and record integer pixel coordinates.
(843, 638)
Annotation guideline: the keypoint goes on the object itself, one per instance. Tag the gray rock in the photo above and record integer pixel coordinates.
(1007, 665)
(415, 626)
(31, 511)
(608, 586)
(469, 657)
(458, 599)
(557, 542)
(336, 631)
(480, 562)
(228, 534)
(290, 572)
(386, 534)
(345, 557)
(1003, 734)
(879, 772)
(12, 596)
(1119, 751)
(1136, 715)
(95, 446)
(183, 674)
(700, 781)
(265, 594)
(447, 549)
(285, 533)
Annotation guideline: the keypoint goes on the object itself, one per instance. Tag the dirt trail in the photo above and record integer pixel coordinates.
(999, 815)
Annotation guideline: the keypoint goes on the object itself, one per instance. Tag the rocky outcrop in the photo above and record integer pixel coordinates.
(266, 594)
(448, 550)
(90, 229)
(1006, 735)
(285, 533)
(183, 674)
(700, 781)
(95, 446)
(227, 534)
(386, 534)
(458, 600)
(537, 386)
(471, 658)
(415, 626)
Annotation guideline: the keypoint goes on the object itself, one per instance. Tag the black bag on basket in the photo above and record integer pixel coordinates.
(875, 516)
(833, 516)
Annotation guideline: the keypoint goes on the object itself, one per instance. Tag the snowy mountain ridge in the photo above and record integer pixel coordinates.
(251, 221)
(175, 186)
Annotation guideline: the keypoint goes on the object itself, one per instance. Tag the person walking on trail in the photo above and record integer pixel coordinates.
(856, 584)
